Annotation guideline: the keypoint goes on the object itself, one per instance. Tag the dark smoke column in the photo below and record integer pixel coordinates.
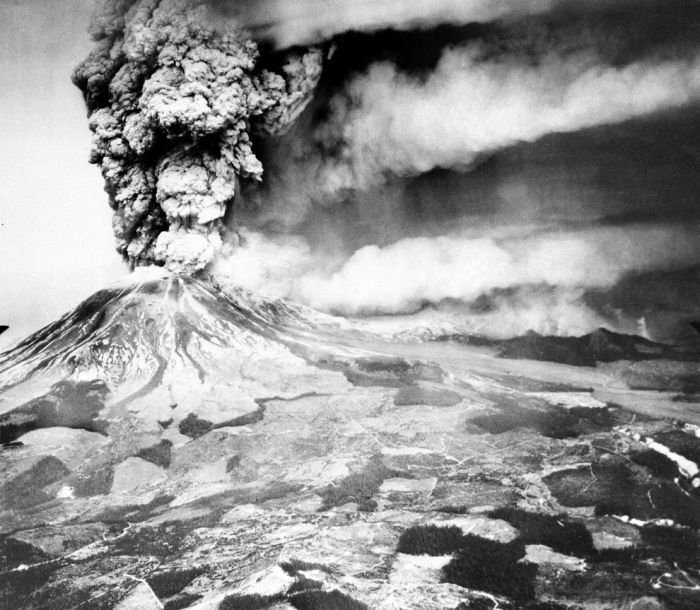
(172, 98)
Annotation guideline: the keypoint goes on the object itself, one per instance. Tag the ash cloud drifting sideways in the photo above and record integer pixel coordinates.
(400, 277)
(188, 110)
(302, 22)
(389, 123)
(510, 82)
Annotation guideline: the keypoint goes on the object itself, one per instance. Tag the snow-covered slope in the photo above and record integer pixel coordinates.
(164, 348)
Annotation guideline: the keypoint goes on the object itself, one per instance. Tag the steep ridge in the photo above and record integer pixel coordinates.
(118, 325)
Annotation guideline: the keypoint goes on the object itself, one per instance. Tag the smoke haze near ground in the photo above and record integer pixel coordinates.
(403, 276)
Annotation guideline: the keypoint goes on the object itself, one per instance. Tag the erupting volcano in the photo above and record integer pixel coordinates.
(410, 319)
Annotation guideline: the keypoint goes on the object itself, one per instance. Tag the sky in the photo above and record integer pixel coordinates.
(56, 242)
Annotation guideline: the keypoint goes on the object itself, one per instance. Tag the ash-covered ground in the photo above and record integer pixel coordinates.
(413, 320)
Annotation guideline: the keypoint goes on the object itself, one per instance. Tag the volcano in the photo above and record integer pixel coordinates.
(170, 444)
(158, 349)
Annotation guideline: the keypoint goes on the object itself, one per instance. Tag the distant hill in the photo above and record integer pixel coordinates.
(587, 350)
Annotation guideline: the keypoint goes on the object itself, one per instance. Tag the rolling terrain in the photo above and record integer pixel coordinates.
(166, 444)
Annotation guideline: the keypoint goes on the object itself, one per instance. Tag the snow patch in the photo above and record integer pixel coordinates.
(66, 493)
(569, 400)
(642, 523)
(406, 451)
(493, 529)
(399, 485)
(270, 582)
(692, 429)
(543, 555)
(686, 467)
(417, 569)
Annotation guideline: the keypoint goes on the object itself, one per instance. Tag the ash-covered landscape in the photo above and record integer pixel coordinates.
(408, 315)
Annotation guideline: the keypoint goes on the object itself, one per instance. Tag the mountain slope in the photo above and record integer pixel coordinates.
(163, 349)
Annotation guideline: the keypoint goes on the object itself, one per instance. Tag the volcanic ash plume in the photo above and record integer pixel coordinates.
(173, 101)
(390, 123)
(401, 277)
(294, 22)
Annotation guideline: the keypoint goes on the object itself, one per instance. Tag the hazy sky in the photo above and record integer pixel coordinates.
(56, 242)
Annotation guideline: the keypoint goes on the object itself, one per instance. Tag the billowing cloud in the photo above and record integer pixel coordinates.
(389, 123)
(185, 107)
(301, 22)
(401, 277)
(172, 102)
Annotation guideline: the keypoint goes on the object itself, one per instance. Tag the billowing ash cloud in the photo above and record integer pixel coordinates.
(389, 123)
(301, 22)
(173, 99)
(402, 276)
(418, 170)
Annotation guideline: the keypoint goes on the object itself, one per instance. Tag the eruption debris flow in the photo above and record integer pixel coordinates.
(173, 101)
